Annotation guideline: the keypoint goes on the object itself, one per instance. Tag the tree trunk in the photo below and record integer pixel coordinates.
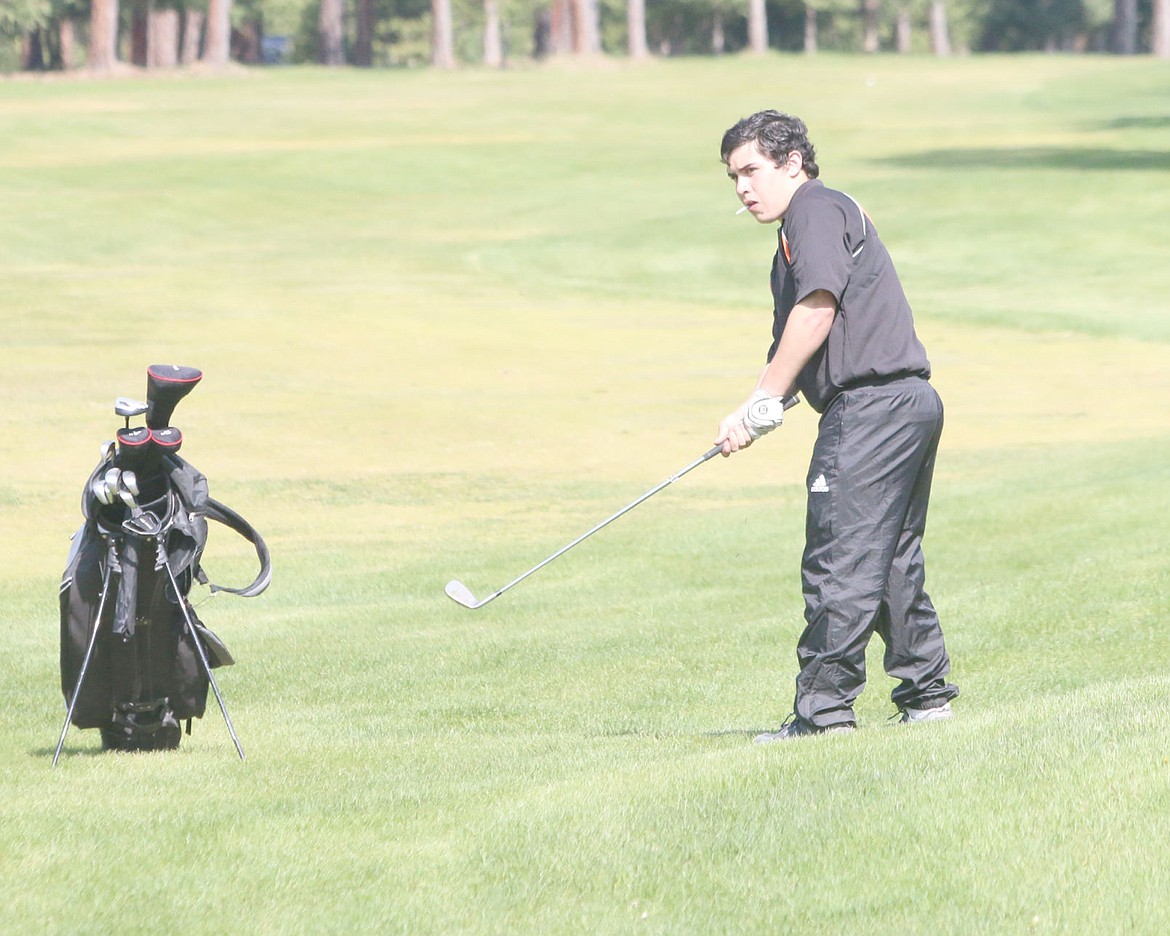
(902, 29)
(940, 37)
(331, 50)
(718, 37)
(869, 20)
(140, 32)
(636, 28)
(587, 23)
(757, 27)
(1161, 29)
(249, 39)
(103, 35)
(810, 29)
(67, 43)
(363, 43)
(443, 35)
(541, 34)
(561, 27)
(493, 43)
(163, 39)
(1125, 27)
(32, 53)
(192, 32)
(217, 45)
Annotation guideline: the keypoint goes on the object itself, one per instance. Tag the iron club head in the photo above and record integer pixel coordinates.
(460, 593)
(127, 496)
(101, 491)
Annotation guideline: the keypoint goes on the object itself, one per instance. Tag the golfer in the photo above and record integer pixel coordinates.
(843, 336)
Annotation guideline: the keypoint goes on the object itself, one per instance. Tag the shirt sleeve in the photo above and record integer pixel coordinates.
(816, 240)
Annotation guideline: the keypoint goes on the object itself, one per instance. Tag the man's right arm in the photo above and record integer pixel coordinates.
(805, 331)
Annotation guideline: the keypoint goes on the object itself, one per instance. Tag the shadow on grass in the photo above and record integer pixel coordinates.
(1148, 122)
(737, 732)
(714, 733)
(67, 753)
(1035, 157)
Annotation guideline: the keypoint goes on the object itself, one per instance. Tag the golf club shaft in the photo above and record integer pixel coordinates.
(195, 639)
(706, 456)
(459, 592)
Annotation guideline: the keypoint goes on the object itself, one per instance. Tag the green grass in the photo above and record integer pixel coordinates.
(448, 322)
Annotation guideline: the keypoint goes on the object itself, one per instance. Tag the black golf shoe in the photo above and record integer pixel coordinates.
(794, 727)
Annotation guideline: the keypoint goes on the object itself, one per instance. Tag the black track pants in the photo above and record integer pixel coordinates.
(868, 490)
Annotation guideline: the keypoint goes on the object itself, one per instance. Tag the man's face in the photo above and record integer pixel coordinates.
(765, 188)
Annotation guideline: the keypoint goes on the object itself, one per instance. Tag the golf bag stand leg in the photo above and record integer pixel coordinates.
(97, 623)
(195, 639)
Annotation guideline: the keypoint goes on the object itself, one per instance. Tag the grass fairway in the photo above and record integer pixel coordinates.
(448, 322)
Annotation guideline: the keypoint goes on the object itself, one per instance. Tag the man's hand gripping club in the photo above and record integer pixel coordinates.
(759, 415)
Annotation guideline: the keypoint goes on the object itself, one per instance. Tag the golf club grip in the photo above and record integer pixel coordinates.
(789, 402)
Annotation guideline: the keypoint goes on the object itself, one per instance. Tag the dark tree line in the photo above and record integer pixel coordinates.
(99, 34)
(65, 34)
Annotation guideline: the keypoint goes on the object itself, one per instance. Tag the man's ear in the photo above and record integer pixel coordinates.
(794, 163)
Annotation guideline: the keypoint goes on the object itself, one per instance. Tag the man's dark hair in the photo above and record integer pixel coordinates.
(776, 135)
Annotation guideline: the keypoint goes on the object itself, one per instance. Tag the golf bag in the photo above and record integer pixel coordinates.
(136, 661)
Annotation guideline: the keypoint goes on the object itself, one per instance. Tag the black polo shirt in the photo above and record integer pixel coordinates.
(827, 242)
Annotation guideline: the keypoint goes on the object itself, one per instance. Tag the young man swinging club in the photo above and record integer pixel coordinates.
(843, 336)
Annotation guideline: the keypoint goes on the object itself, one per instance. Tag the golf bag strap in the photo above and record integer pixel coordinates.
(221, 513)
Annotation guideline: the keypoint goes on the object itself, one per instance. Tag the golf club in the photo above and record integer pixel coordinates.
(168, 440)
(461, 594)
(128, 492)
(101, 490)
(134, 448)
(128, 408)
(166, 385)
(105, 487)
(144, 523)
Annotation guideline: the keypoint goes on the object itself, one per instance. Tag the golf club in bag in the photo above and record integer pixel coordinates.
(461, 594)
(136, 660)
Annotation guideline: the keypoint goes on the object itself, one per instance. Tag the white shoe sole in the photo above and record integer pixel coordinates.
(918, 716)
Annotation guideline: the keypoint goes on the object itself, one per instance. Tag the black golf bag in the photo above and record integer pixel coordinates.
(136, 661)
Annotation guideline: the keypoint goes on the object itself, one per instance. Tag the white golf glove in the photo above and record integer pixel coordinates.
(763, 414)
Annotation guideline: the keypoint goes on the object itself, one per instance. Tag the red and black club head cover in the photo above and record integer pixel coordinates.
(134, 448)
(168, 440)
(166, 385)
